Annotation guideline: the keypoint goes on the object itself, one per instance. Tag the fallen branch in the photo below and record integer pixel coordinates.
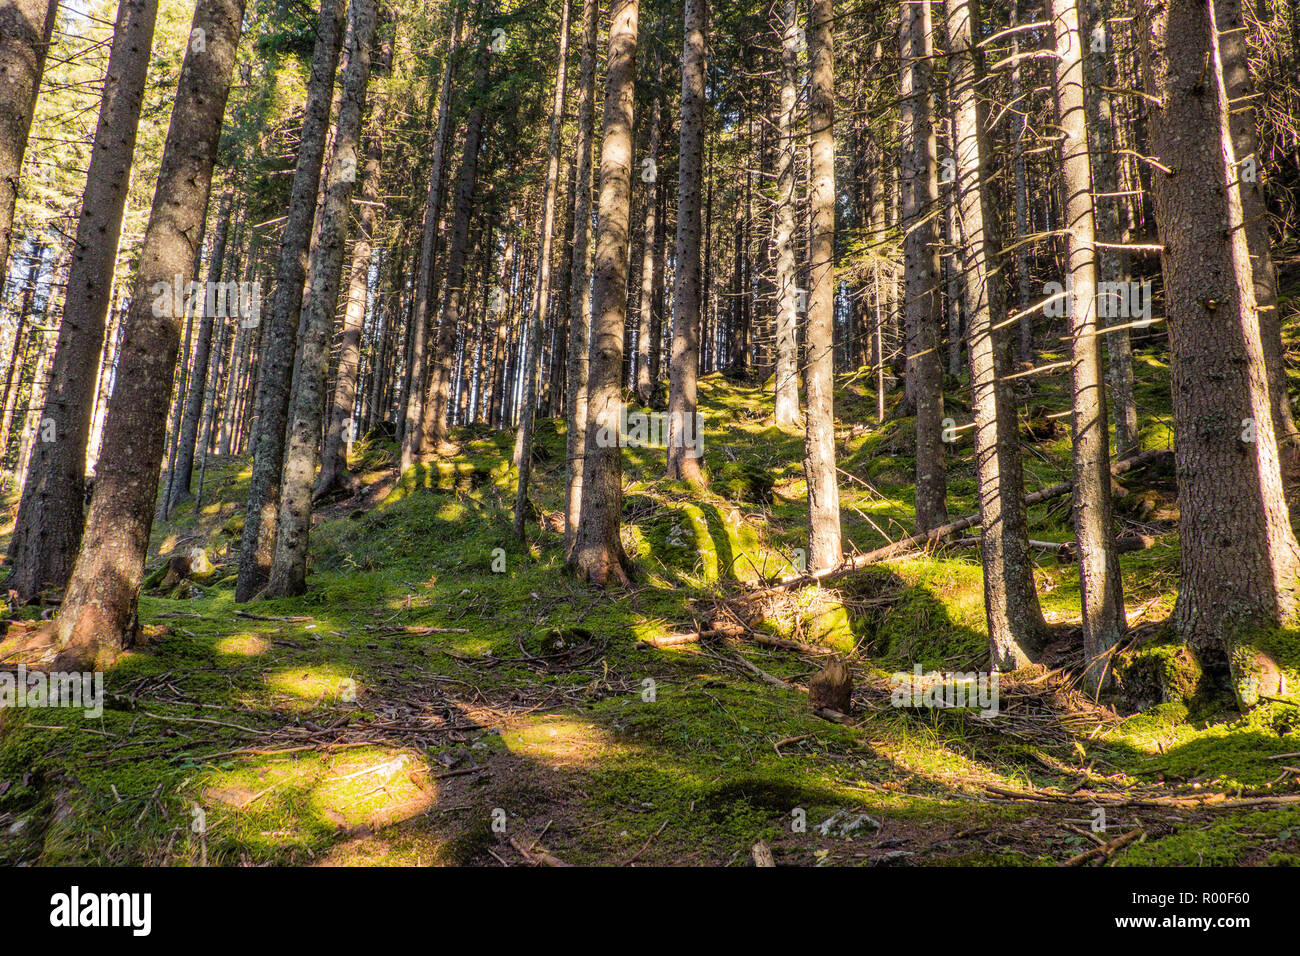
(1106, 850)
(263, 617)
(1207, 801)
(536, 854)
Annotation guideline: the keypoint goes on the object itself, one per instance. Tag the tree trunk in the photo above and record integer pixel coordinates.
(437, 406)
(575, 437)
(1234, 56)
(47, 530)
(645, 332)
(280, 339)
(342, 423)
(684, 433)
(18, 355)
(824, 548)
(1015, 620)
(1239, 555)
(787, 293)
(198, 380)
(289, 568)
(426, 294)
(1103, 596)
(598, 557)
(25, 30)
(923, 305)
(1112, 264)
(542, 291)
(98, 615)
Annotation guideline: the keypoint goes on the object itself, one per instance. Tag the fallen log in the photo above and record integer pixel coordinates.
(936, 535)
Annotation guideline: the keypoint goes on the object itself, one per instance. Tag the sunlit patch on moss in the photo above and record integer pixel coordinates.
(243, 645)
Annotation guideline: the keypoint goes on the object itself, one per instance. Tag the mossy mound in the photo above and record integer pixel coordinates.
(1160, 670)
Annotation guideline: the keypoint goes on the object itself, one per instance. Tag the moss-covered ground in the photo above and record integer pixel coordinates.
(445, 695)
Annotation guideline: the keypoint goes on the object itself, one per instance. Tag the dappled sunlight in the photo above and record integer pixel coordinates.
(243, 645)
(559, 741)
(315, 684)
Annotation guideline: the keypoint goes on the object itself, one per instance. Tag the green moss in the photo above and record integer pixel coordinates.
(1155, 672)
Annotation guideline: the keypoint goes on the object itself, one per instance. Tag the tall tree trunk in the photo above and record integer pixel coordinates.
(1234, 56)
(426, 296)
(1019, 129)
(684, 432)
(598, 557)
(645, 333)
(342, 419)
(198, 379)
(1015, 620)
(239, 359)
(98, 615)
(1103, 595)
(437, 405)
(177, 414)
(923, 304)
(1112, 264)
(280, 338)
(542, 292)
(1239, 555)
(579, 314)
(47, 531)
(13, 374)
(289, 568)
(560, 308)
(786, 378)
(25, 30)
(824, 548)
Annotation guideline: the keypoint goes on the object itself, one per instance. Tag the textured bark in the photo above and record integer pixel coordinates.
(598, 557)
(198, 377)
(1112, 264)
(1019, 127)
(98, 615)
(280, 337)
(334, 464)
(542, 292)
(824, 547)
(645, 331)
(1103, 596)
(923, 308)
(25, 29)
(454, 305)
(1234, 57)
(1015, 620)
(575, 437)
(426, 294)
(1239, 555)
(560, 306)
(289, 567)
(786, 380)
(684, 361)
(47, 530)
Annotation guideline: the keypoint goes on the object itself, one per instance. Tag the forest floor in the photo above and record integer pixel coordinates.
(435, 700)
